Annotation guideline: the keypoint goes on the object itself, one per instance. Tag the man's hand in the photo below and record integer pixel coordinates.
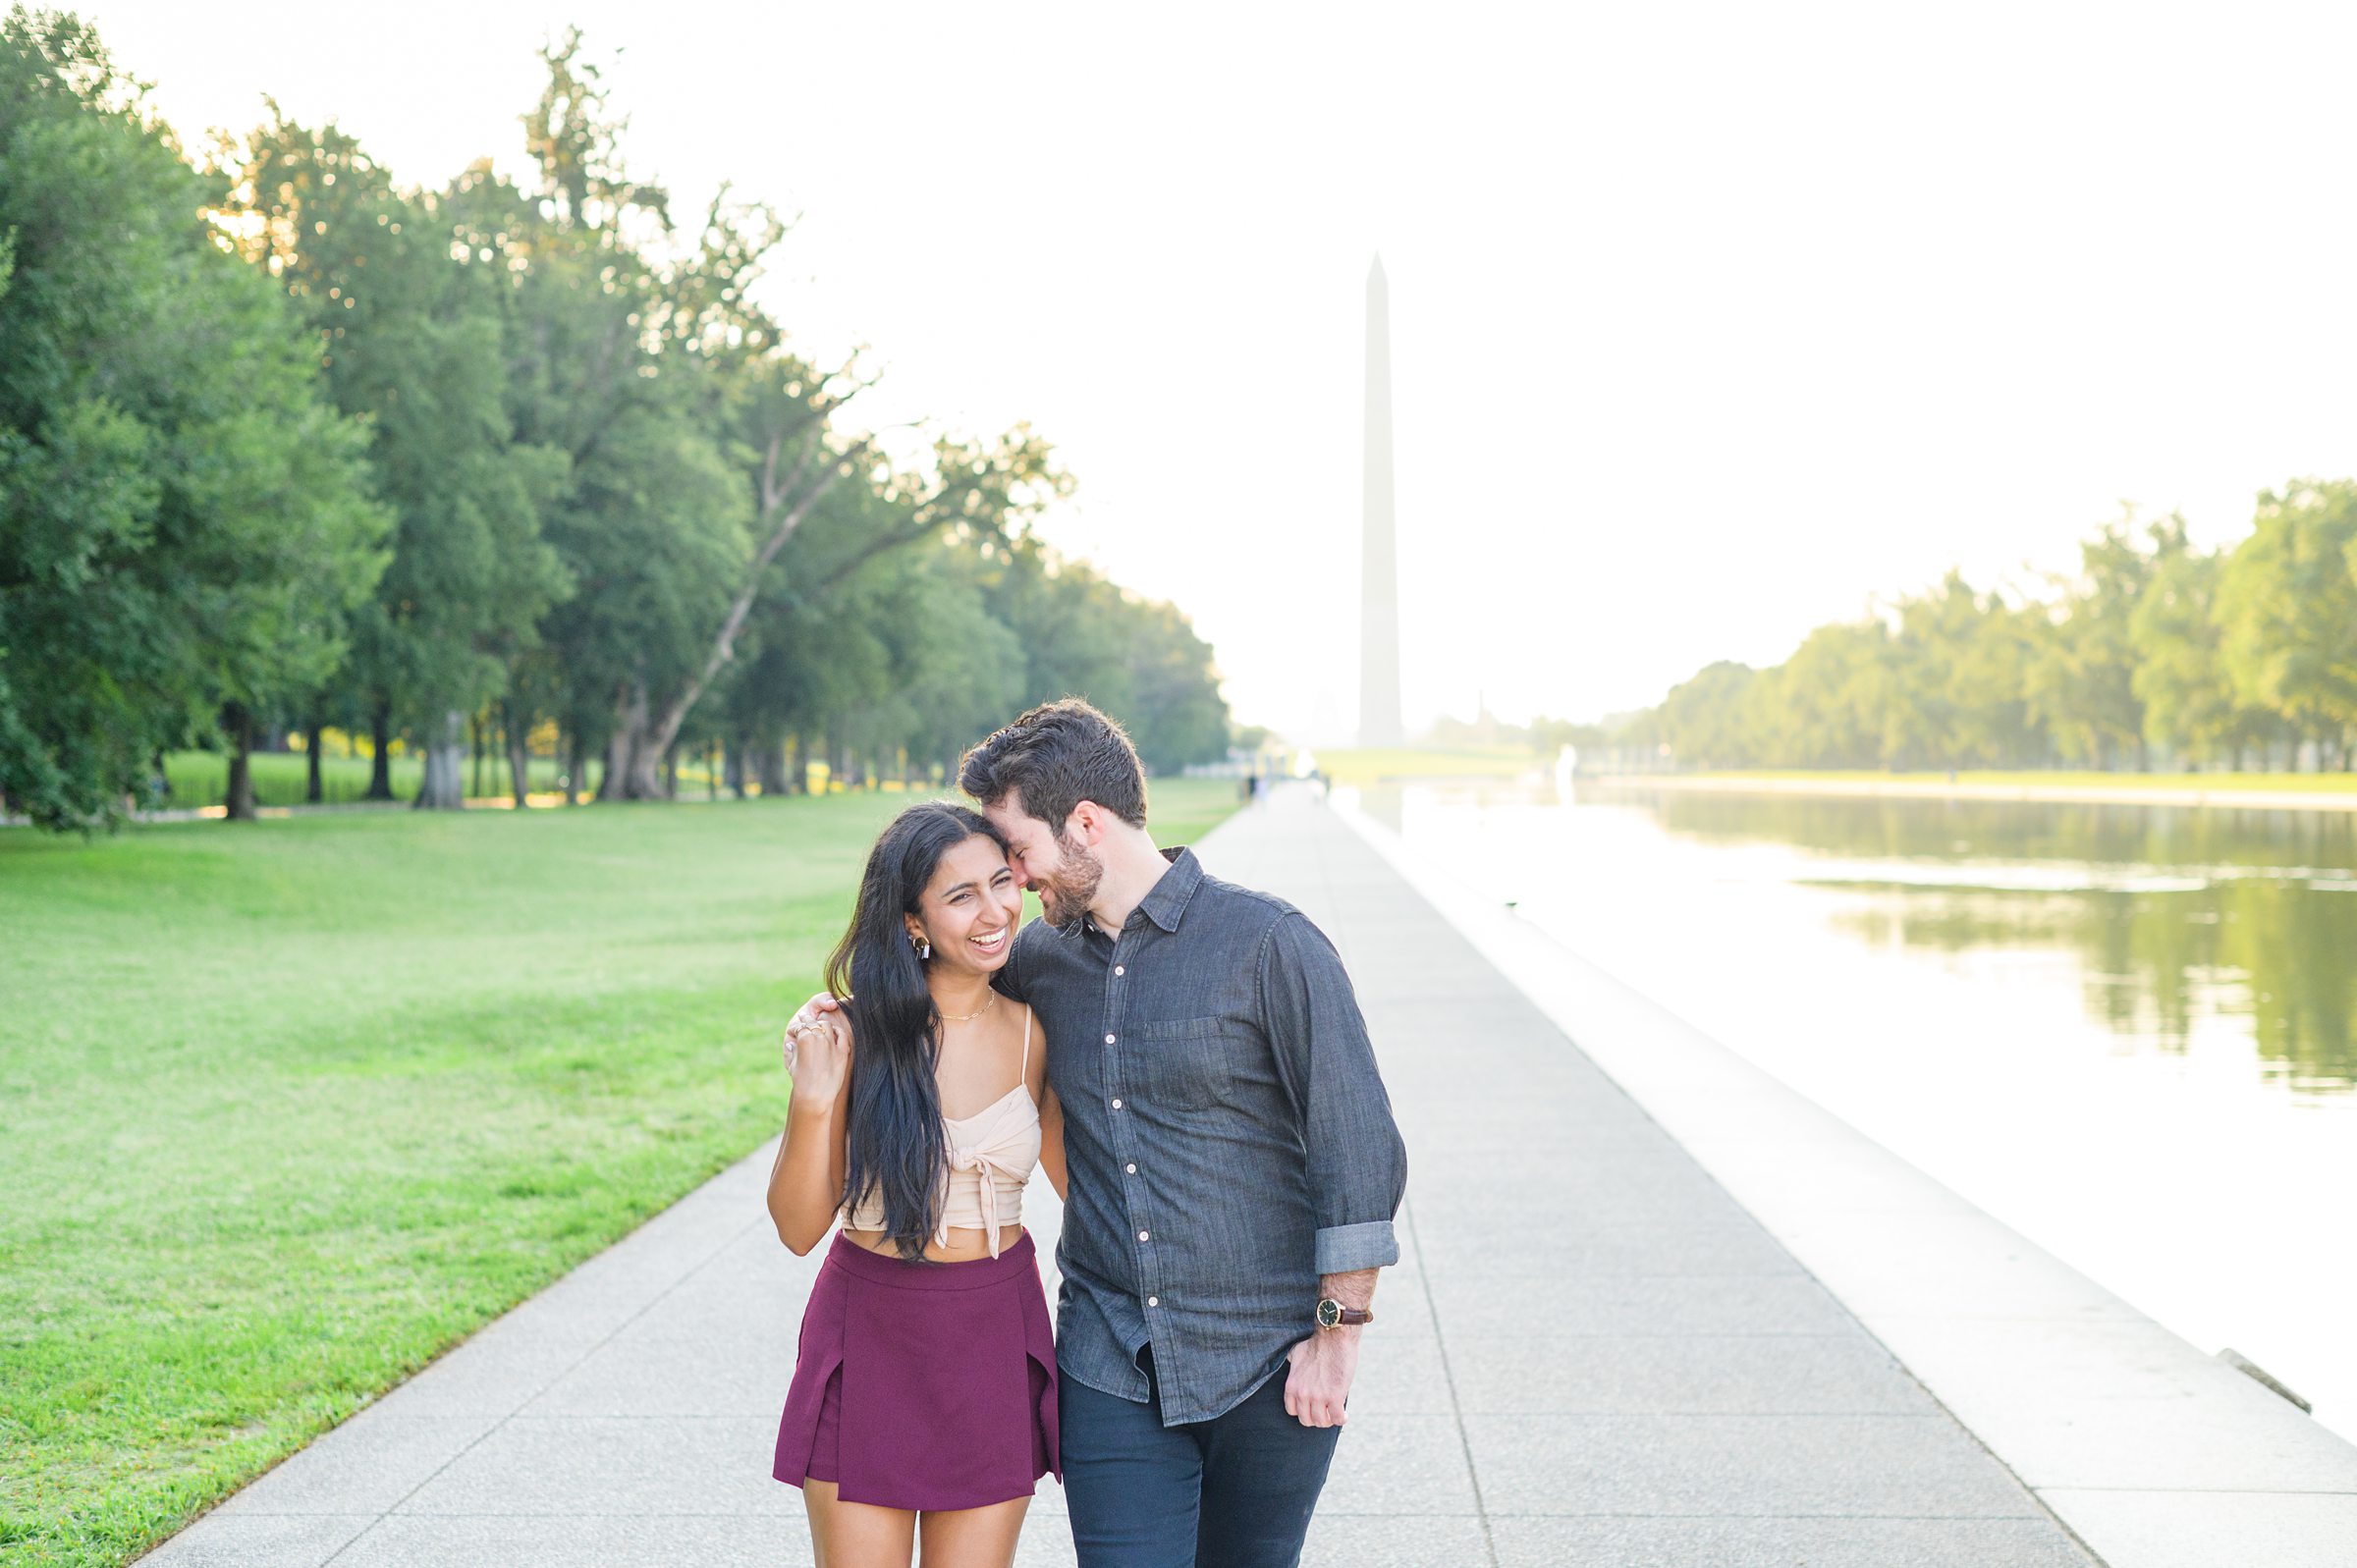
(1317, 1387)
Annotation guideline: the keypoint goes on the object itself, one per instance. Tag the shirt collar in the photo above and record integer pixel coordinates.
(1166, 902)
(1163, 903)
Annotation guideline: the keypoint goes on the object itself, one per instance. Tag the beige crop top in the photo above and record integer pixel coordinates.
(990, 1155)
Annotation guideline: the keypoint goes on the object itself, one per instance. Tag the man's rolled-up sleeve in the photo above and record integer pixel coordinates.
(1357, 1162)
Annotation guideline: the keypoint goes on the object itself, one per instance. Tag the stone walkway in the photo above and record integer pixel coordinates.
(1589, 1355)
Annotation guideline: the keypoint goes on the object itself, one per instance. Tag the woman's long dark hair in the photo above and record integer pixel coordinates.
(894, 1144)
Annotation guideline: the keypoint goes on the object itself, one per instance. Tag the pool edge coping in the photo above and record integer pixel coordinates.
(2152, 1453)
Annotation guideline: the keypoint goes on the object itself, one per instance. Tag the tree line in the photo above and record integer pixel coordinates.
(2243, 657)
(288, 445)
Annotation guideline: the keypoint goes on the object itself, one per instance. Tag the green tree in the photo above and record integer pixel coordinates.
(2189, 700)
(185, 520)
(412, 339)
(1959, 661)
(1176, 715)
(654, 533)
(2081, 678)
(1704, 717)
(2287, 611)
(1831, 695)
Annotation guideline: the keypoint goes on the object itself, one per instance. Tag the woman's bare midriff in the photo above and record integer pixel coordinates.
(967, 1245)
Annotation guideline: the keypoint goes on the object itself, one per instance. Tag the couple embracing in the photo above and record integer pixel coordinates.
(1186, 1060)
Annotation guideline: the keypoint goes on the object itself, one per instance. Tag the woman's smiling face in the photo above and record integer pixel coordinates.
(970, 908)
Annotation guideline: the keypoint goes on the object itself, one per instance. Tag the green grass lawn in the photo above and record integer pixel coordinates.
(288, 1107)
(200, 779)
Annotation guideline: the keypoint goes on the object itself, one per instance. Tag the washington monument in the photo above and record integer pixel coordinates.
(1379, 597)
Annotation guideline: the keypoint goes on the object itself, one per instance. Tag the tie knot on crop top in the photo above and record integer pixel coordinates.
(990, 1159)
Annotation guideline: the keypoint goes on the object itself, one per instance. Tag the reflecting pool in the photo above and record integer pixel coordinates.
(2130, 1032)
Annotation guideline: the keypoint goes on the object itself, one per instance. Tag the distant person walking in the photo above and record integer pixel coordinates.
(1235, 1166)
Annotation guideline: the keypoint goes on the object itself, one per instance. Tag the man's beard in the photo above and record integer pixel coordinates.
(1074, 884)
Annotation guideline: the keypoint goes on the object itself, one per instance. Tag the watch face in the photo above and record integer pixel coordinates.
(1329, 1312)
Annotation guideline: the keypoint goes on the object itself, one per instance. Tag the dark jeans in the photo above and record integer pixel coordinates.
(1235, 1491)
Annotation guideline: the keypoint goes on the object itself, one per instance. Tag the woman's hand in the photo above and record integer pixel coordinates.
(818, 1053)
(805, 1184)
(817, 1010)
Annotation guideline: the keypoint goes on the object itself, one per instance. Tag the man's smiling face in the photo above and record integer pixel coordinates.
(1059, 867)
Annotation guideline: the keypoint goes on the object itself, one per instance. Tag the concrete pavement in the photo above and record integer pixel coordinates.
(1591, 1352)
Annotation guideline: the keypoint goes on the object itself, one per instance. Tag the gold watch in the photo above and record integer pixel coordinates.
(1332, 1313)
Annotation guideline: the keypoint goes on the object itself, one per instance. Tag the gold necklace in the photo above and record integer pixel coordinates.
(968, 1017)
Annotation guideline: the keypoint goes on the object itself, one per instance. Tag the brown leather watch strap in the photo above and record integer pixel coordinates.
(1332, 1313)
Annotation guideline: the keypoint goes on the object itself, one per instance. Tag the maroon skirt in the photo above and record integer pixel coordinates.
(923, 1386)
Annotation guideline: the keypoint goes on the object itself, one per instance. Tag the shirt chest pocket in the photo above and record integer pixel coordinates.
(1194, 1063)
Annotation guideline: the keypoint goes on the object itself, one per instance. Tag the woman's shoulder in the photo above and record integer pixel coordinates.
(1036, 1048)
(1028, 1026)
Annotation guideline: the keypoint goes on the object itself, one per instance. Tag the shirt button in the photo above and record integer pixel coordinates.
(1132, 1170)
(1145, 1235)
(1117, 1104)
(1152, 1301)
(1120, 970)
(1109, 1039)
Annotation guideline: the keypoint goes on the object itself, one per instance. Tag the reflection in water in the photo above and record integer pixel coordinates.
(2129, 1032)
(1942, 830)
(2176, 915)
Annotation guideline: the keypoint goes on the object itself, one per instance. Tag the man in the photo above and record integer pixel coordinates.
(1235, 1167)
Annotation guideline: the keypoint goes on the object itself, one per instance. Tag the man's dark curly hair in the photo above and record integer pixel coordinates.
(1055, 756)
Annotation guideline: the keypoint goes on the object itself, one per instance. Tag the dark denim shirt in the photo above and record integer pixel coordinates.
(1227, 1136)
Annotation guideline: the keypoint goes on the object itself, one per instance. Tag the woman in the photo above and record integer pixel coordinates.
(925, 1382)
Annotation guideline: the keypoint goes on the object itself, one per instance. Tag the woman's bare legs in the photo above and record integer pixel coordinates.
(858, 1534)
(974, 1538)
(855, 1535)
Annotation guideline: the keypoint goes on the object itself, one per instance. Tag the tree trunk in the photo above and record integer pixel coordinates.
(519, 757)
(239, 724)
(570, 746)
(632, 760)
(315, 784)
(798, 766)
(617, 762)
(784, 503)
(670, 772)
(475, 749)
(734, 765)
(380, 766)
(444, 786)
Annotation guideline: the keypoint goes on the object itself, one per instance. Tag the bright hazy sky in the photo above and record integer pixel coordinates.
(1709, 324)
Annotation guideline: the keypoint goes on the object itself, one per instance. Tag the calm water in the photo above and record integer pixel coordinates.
(2130, 1032)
